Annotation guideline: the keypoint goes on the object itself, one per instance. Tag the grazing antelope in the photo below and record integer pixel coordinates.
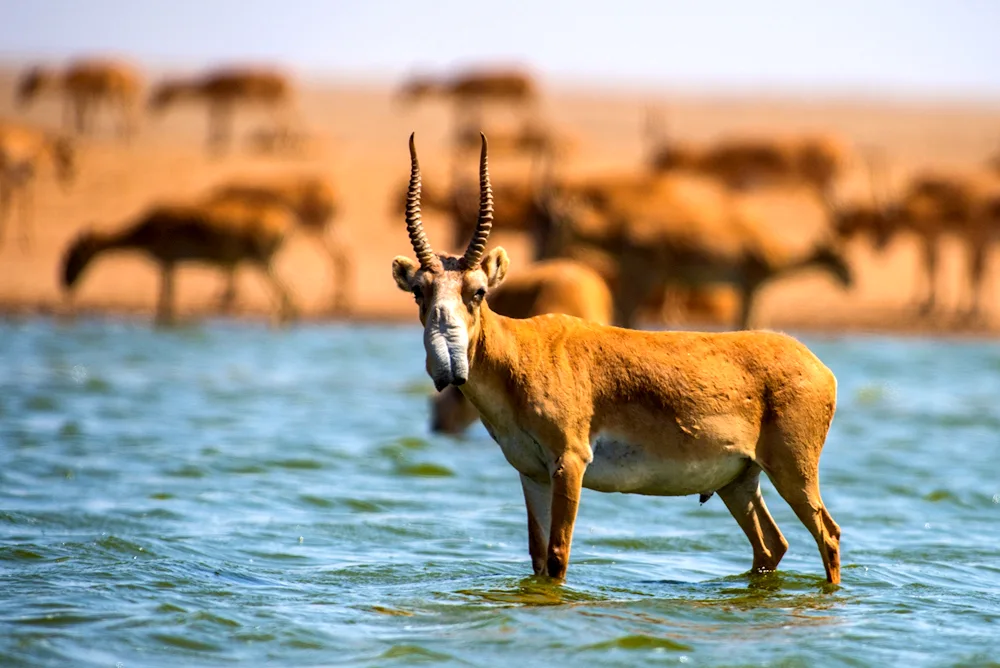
(315, 204)
(740, 163)
(23, 149)
(748, 263)
(936, 204)
(497, 85)
(854, 219)
(686, 232)
(223, 91)
(533, 139)
(223, 234)
(520, 207)
(85, 85)
(551, 286)
(575, 404)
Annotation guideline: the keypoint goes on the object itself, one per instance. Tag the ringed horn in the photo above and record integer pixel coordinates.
(415, 227)
(477, 246)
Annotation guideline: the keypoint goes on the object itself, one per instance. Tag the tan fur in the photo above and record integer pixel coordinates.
(714, 304)
(223, 91)
(86, 85)
(743, 162)
(517, 206)
(507, 85)
(931, 206)
(528, 205)
(574, 404)
(224, 234)
(316, 205)
(550, 286)
(23, 152)
(595, 197)
(936, 204)
(717, 305)
(690, 232)
(533, 139)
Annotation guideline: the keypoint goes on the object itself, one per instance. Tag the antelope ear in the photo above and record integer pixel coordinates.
(403, 271)
(495, 265)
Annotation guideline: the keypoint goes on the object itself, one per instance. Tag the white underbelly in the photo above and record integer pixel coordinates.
(640, 469)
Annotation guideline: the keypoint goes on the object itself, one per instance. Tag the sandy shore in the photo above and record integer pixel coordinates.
(359, 143)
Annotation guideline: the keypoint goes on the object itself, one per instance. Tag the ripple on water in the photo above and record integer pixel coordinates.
(188, 471)
(297, 464)
(41, 404)
(121, 546)
(638, 642)
(21, 553)
(406, 654)
(198, 458)
(424, 470)
(185, 642)
(58, 619)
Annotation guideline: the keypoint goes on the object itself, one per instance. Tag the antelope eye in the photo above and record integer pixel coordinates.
(480, 294)
(417, 292)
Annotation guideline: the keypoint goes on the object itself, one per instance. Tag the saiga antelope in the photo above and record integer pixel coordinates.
(223, 90)
(85, 85)
(514, 86)
(685, 232)
(520, 206)
(22, 151)
(934, 205)
(747, 162)
(533, 138)
(315, 204)
(574, 404)
(223, 234)
(550, 286)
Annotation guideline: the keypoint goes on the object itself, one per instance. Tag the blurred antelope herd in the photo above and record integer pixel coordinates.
(679, 238)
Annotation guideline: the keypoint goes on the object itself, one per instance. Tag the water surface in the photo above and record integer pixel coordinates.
(233, 495)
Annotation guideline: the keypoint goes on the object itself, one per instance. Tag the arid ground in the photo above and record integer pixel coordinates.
(359, 141)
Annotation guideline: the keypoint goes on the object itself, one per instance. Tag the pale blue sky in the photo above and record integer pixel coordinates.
(923, 47)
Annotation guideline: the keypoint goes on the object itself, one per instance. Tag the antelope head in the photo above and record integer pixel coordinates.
(828, 253)
(450, 290)
(78, 255)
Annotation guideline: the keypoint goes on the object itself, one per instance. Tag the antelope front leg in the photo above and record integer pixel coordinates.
(567, 482)
(538, 499)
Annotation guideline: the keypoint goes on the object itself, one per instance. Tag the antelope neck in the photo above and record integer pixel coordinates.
(494, 348)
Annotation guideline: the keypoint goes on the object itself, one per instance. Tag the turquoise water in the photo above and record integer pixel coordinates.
(233, 495)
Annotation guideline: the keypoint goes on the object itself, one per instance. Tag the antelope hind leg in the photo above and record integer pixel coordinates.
(800, 489)
(742, 498)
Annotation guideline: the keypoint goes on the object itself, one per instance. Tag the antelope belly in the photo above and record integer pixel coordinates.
(619, 466)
